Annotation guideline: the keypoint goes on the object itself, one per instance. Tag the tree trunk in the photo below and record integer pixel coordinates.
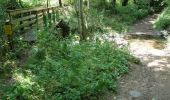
(113, 3)
(81, 21)
(60, 3)
(47, 3)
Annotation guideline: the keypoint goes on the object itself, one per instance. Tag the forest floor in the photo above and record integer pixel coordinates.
(151, 79)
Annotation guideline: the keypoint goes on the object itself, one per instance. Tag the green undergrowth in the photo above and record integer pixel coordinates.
(163, 21)
(118, 19)
(68, 70)
(99, 20)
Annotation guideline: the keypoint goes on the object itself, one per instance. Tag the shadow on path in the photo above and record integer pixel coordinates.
(151, 80)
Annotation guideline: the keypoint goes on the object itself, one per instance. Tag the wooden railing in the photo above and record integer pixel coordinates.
(23, 19)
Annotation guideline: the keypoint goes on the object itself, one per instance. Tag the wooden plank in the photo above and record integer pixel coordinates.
(23, 19)
(50, 11)
(40, 14)
(19, 11)
(37, 21)
(21, 22)
(25, 24)
(40, 18)
(30, 18)
(35, 15)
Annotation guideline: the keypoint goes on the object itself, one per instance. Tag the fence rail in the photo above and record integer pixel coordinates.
(22, 19)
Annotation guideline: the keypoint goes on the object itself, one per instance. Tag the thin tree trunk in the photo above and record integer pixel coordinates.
(47, 3)
(79, 18)
(83, 35)
(114, 3)
(60, 3)
(81, 21)
(88, 4)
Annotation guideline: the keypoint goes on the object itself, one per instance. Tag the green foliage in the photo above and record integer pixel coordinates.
(142, 3)
(3, 15)
(118, 19)
(131, 13)
(32, 3)
(63, 70)
(158, 5)
(163, 21)
(151, 5)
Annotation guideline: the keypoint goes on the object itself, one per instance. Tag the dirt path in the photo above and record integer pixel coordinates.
(151, 80)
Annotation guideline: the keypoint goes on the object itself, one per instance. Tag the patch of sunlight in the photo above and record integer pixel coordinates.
(152, 21)
(25, 80)
(137, 47)
(156, 52)
(108, 29)
(54, 3)
(76, 39)
(156, 63)
(168, 66)
(159, 69)
(168, 43)
(147, 47)
(11, 63)
(139, 33)
(159, 65)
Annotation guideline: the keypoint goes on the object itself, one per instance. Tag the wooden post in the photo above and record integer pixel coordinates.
(37, 20)
(53, 14)
(21, 22)
(9, 33)
(49, 17)
(44, 18)
(56, 13)
(60, 3)
(30, 19)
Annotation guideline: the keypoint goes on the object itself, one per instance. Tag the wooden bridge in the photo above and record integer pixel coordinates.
(24, 20)
(27, 18)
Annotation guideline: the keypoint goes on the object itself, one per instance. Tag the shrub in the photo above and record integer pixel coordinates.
(63, 70)
(163, 21)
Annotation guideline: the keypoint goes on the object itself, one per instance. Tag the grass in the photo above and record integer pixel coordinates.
(118, 19)
(59, 70)
(67, 70)
(163, 21)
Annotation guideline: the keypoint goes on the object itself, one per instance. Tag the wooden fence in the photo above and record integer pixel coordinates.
(23, 19)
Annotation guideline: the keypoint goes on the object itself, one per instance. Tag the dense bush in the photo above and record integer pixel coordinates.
(163, 21)
(118, 19)
(65, 70)
(131, 13)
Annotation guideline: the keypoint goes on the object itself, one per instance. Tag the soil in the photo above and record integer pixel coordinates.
(151, 80)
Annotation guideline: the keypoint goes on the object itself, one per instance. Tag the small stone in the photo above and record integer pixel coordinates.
(135, 93)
